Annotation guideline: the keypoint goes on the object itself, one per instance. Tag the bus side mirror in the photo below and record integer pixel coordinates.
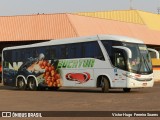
(153, 50)
(127, 50)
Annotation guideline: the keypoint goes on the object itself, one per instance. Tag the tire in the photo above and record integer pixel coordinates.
(21, 85)
(126, 89)
(32, 84)
(105, 85)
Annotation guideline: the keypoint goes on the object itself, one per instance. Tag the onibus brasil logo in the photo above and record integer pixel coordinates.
(21, 114)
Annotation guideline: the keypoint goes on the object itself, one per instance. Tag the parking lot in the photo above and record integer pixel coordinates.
(80, 99)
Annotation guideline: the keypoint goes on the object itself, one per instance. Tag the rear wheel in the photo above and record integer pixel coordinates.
(105, 85)
(126, 89)
(32, 84)
(21, 85)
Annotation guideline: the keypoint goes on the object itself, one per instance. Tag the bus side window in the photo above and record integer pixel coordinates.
(29, 53)
(47, 51)
(34, 53)
(52, 53)
(92, 49)
(17, 56)
(87, 50)
(97, 51)
(22, 54)
(74, 51)
(14, 56)
(40, 50)
(8, 56)
(63, 52)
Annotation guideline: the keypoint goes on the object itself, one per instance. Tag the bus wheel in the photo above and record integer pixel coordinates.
(126, 89)
(21, 85)
(32, 84)
(105, 85)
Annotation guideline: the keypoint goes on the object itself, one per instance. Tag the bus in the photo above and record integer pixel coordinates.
(102, 61)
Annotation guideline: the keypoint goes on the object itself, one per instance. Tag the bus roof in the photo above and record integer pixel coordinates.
(79, 39)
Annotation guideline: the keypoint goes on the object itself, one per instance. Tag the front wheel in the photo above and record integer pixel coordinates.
(21, 85)
(32, 84)
(126, 89)
(105, 85)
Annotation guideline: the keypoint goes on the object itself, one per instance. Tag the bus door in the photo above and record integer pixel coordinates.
(120, 68)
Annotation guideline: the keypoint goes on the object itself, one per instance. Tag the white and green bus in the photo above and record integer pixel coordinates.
(106, 61)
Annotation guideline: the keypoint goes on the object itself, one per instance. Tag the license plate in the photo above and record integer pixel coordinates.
(144, 84)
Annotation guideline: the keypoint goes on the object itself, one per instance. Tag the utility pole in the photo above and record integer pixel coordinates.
(158, 9)
(131, 5)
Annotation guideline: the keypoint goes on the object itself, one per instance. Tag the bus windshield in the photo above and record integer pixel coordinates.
(140, 62)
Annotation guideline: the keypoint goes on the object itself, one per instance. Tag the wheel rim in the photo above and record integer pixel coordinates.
(103, 85)
(31, 84)
(21, 83)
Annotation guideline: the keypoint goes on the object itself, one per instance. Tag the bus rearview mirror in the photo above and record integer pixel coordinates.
(127, 50)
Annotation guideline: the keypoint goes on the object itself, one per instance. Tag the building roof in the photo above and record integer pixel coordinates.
(35, 27)
(132, 16)
(59, 26)
(90, 26)
(151, 20)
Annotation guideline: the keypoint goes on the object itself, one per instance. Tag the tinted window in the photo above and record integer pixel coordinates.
(7, 55)
(63, 54)
(110, 50)
(75, 50)
(67, 51)
(51, 52)
(92, 49)
(30, 52)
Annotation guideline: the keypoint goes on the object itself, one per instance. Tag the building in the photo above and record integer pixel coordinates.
(149, 20)
(27, 29)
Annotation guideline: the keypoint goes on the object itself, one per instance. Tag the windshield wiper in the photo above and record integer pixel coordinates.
(146, 63)
(140, 65)
(134, 71)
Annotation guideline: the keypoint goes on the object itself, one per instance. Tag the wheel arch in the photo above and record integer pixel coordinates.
(32, 76)
(99, 78)
(21, 76)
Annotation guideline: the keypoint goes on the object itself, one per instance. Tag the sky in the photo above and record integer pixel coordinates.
(27, 7)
